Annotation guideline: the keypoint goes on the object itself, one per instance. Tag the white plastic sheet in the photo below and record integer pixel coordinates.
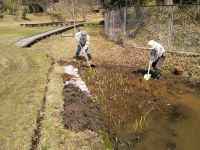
(76, 80)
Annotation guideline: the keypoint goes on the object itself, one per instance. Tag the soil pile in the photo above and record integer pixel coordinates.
(80, 112)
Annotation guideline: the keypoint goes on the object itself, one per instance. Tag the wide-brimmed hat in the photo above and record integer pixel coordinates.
(151, 44)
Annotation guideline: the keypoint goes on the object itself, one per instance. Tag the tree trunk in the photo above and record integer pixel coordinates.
(168, 2)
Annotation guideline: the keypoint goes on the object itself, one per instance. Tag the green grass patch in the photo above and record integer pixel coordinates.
(107, 142)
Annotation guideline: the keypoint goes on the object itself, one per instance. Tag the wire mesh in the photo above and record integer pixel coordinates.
(177, 28)
(114, 25)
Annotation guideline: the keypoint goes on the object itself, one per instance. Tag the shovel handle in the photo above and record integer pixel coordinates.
(149, 68)
(86, 57)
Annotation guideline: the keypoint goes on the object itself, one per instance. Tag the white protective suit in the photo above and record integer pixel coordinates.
(78, 37)
(157, 51)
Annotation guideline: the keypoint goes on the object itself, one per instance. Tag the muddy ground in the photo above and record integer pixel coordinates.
(121, 95)
(80, 112)
(127, 100)
(123, 103)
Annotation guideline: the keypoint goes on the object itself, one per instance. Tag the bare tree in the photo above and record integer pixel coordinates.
(168, 2)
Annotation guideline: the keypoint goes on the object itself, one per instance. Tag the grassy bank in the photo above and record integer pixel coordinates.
(23, 77)
(23, 74)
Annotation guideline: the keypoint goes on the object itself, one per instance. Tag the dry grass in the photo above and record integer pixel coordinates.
(54, 136)
(107, 52)
(22, 85)
(23, 76)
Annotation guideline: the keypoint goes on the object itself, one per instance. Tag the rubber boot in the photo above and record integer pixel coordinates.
(157, 74)
(91, 63)
(76, 56)
(89, 57)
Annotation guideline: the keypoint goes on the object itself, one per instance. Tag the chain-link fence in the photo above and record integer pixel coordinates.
(177, 28)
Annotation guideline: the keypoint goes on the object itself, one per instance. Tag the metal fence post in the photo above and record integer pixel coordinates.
(172, 23)
(112, 31)
(170, 26)
(113, 25)
(135, 25)
(109, 22)
(124, 27)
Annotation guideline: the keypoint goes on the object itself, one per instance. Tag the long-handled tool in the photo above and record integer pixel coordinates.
(148, 76)
(90, 63)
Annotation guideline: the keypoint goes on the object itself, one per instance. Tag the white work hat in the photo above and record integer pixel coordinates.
(83, 33)
(151, 44)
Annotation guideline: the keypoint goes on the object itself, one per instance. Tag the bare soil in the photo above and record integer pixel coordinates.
(124, 97)
(80, 112)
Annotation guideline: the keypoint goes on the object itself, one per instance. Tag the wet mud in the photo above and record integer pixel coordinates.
(129, 109)
(80, 112)
(177, 113)
(129, 104)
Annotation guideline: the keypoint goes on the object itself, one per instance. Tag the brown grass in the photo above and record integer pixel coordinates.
(54, 136)
(22, 86)
(107, 52)
(23, 77)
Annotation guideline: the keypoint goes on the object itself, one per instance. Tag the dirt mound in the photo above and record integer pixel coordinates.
(80, 112)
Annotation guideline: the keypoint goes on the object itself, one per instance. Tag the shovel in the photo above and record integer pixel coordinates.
(90, 63)
(148, 76)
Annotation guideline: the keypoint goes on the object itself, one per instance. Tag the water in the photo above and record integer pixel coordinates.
(172, 110)
(180, 129)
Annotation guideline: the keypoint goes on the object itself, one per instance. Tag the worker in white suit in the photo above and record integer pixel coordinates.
(82, 42)
(157, 57)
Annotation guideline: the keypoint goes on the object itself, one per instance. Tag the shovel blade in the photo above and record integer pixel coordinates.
(91, 64)
(147, 76)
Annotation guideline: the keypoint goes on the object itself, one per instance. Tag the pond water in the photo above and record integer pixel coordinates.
(178, 129)
(147, 115)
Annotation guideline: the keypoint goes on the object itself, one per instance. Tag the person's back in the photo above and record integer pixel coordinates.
(157, 56)
(157, 51)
